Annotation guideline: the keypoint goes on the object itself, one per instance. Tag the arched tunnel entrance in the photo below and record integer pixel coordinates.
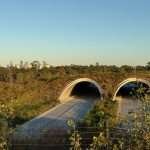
(129, 94)
(82, 88)
(76, 100)
(86, 90)
(130, 90)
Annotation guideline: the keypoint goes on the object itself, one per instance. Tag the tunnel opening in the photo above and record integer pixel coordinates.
(130, 90)
(74, 105)
(129, 96)
(82, 88)
(85, 90)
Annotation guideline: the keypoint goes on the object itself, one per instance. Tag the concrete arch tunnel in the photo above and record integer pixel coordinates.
(76, 100)
(81, 88)
(127, 101)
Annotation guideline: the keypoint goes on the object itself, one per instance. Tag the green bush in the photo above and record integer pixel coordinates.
(133, 135)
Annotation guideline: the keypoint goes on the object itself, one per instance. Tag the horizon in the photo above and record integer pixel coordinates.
(42, 63)
(64, 32)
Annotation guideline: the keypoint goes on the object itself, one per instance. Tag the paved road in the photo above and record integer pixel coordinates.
(49, 127)
(127, 105)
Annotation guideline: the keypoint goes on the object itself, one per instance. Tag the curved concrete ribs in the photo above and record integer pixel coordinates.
(84, 85)
(130, 80)
(128, 103)
(49, 128)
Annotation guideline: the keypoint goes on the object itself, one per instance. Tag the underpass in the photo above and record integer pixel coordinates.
(48, 130)
(127, 96)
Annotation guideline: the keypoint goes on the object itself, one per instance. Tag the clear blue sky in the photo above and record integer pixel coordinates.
(75, 31)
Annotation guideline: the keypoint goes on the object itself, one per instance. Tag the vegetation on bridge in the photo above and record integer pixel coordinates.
(27, 90)
(111, 132)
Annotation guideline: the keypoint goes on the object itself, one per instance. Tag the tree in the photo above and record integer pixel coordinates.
(45, 65)
(11, 65)
(148, 66)
(21, 65)
(36, 65)
(127, 68)
(141, 68)
(97, 64)
(26, 65)
(114, 68)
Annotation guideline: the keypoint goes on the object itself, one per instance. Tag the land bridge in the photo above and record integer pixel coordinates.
(76, 99)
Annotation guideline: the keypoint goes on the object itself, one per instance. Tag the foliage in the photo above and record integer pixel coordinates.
(101, 118)
(17, 112)
(4, 130)
(139, 136)
(102, 111)
(75, 137)
(29, 89)
(133, 135)
(148, 66)
(99, 142)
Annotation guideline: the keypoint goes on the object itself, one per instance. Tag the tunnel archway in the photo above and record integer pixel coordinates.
(53, 123)
(81, 88)
(127, 85)
(127, 97)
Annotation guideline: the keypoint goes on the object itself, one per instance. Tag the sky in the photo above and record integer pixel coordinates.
(62, 32)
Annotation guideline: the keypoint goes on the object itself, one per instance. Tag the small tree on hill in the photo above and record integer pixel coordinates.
(148, 66)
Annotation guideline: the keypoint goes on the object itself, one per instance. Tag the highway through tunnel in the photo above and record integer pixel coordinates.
(47, 131)
(127, 95)
(85, 90)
